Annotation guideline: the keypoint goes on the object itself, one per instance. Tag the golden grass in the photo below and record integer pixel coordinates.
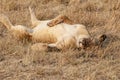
(18, 62)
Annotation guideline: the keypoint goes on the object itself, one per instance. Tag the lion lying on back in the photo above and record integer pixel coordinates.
(58, 33)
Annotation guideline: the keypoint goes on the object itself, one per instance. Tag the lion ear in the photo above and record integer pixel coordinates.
(99, 41)
(102, 38)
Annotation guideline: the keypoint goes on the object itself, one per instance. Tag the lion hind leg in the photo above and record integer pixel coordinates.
(34, 20)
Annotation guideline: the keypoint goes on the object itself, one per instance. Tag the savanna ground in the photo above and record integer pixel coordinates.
(18, 62)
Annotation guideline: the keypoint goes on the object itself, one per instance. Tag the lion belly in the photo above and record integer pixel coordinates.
(44, 33)
(43, 36)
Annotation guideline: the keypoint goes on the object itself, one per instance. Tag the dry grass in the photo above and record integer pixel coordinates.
(18, 62)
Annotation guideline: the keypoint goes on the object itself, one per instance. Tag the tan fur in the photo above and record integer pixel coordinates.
(34, 20)
(60, 19)
(18, 31)
(61, 36)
